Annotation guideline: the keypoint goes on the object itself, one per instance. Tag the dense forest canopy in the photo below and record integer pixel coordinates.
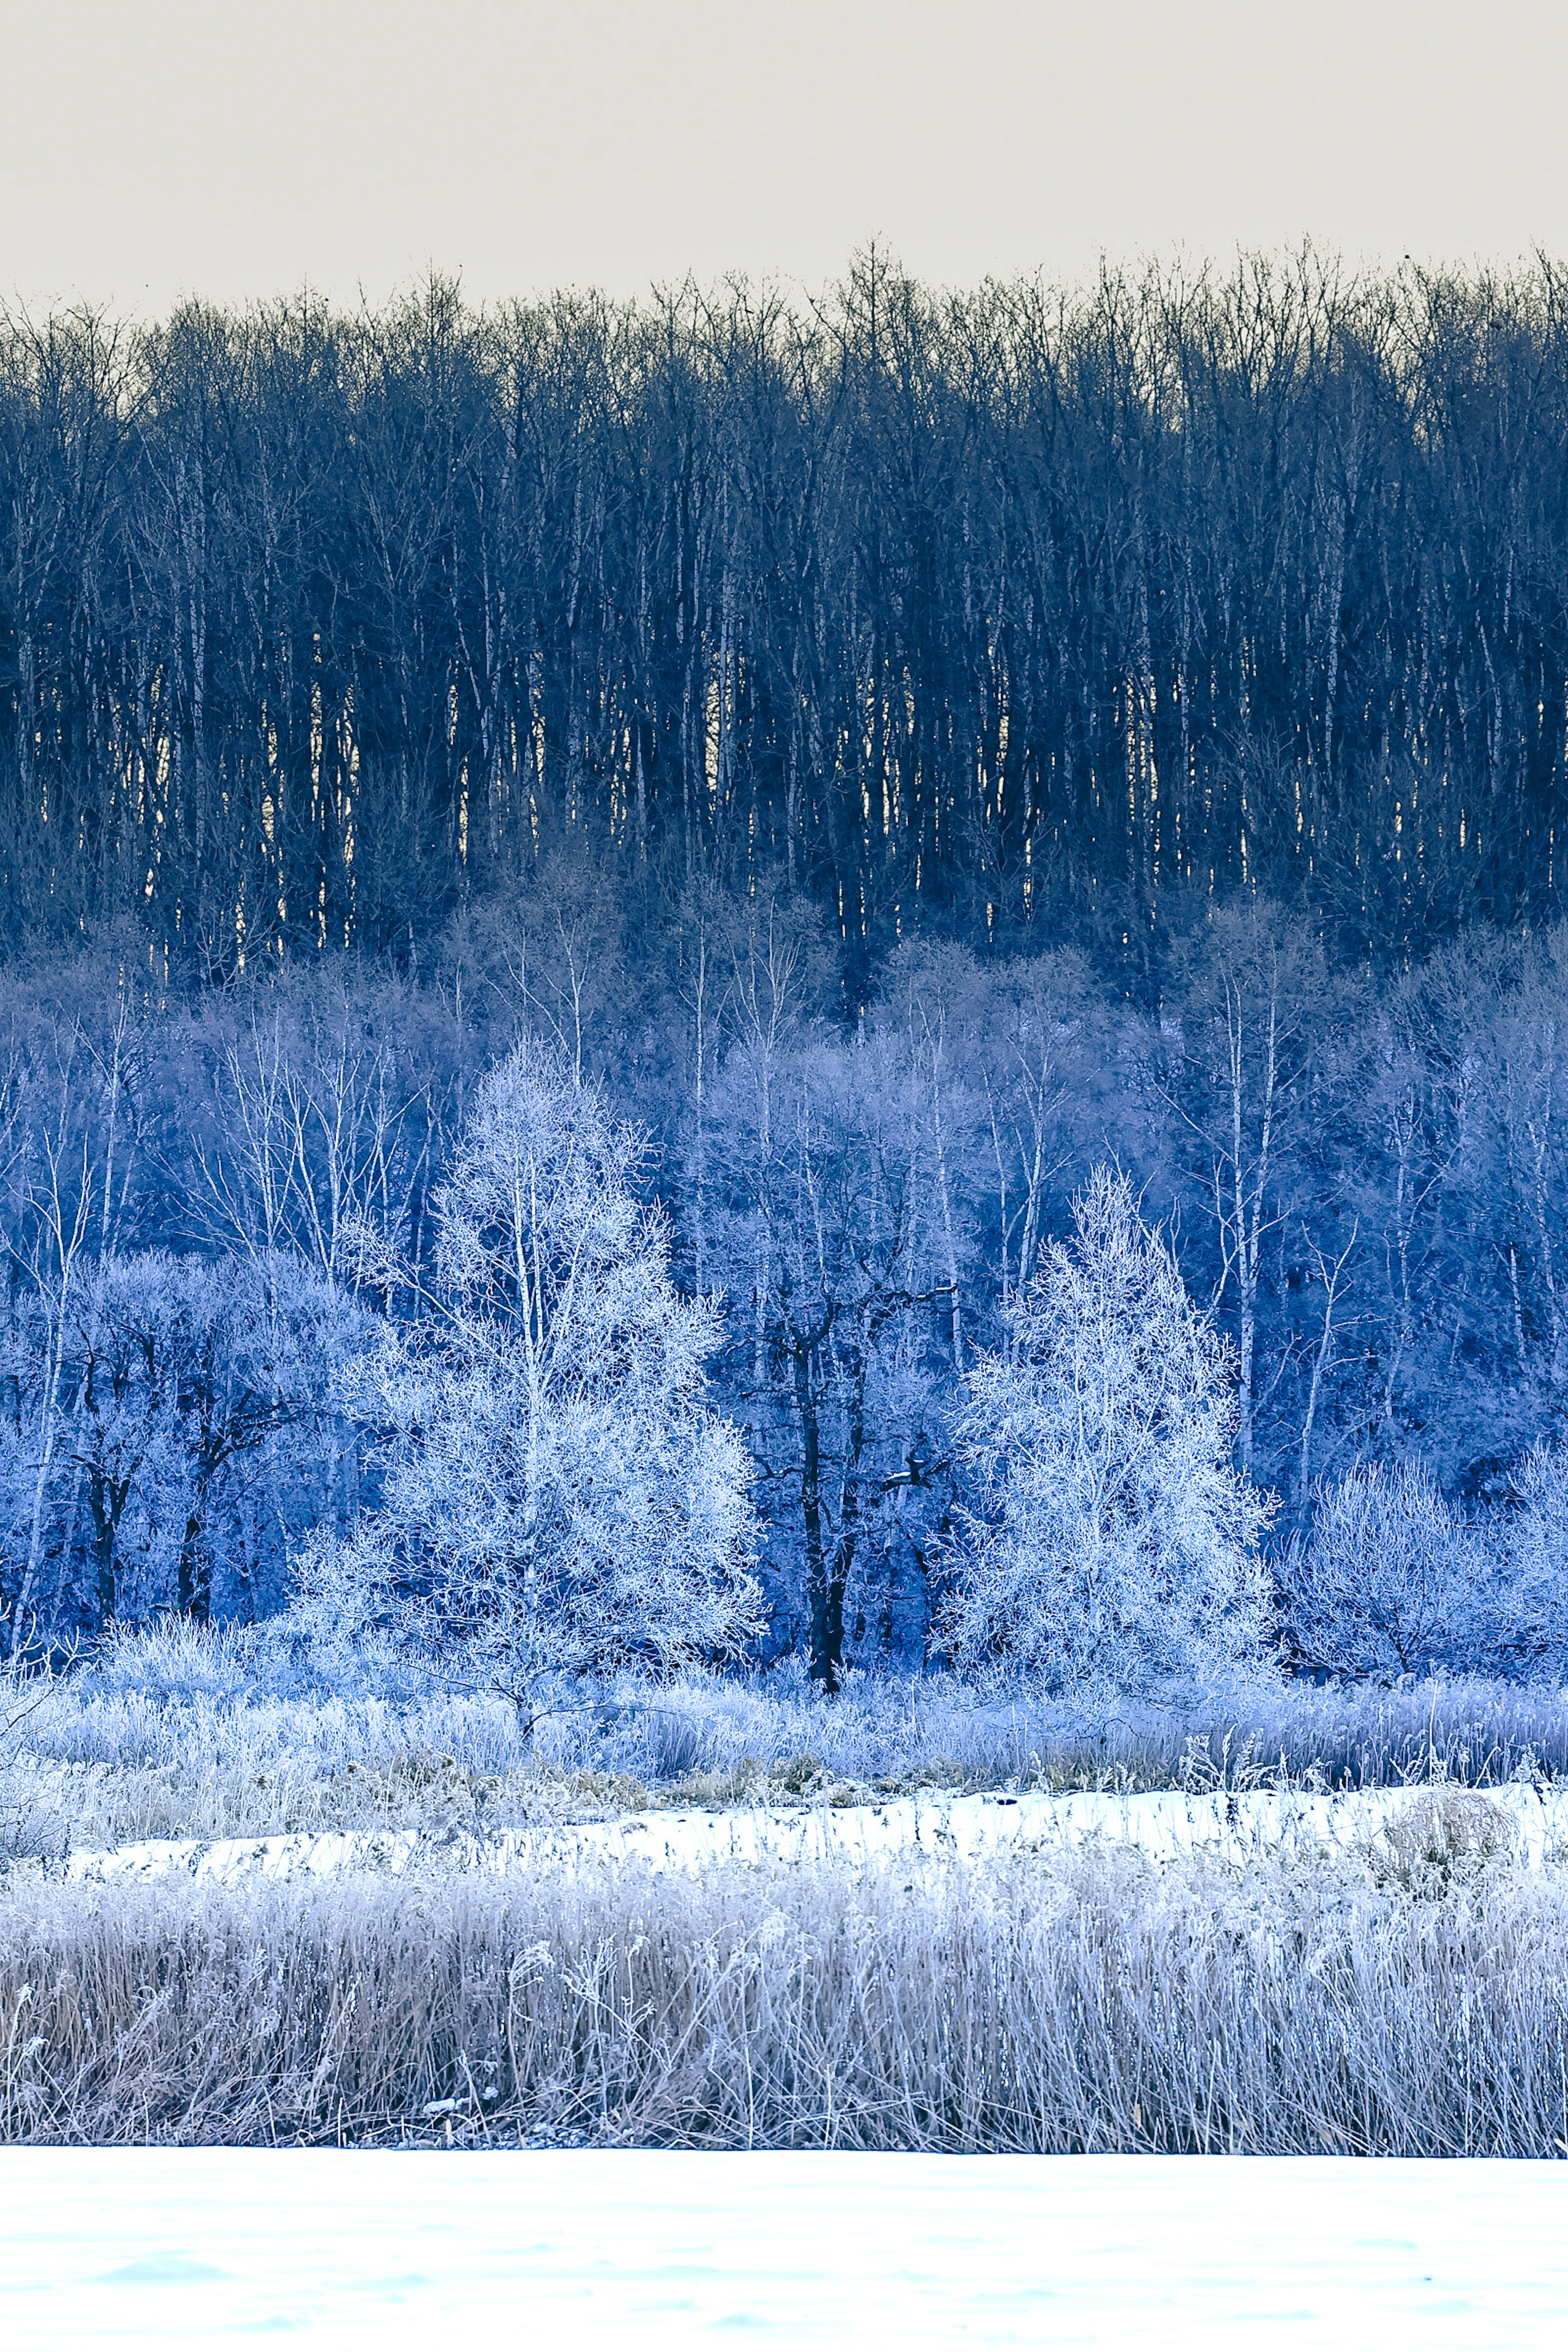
(1016, 607)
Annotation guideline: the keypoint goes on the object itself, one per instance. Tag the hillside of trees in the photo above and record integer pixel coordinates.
(1006, 610)
(900, 754)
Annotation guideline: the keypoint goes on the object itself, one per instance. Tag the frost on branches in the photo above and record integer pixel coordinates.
(1529, 1617)
(559, 1499)
(1390, 1582)
(1109, 1544)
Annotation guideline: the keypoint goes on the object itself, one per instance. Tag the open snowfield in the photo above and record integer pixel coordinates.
(1163, 1823)
(197, 2246)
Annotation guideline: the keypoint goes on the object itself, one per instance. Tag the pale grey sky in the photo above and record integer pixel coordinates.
(231, 151)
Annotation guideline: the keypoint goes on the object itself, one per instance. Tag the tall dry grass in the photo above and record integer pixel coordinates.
(179, 1731)
(1414, 2002)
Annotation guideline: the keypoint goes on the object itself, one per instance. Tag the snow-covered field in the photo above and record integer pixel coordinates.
(197, 2246)
(957, 1828)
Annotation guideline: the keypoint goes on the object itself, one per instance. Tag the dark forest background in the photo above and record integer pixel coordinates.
(1002, 605)
(906, 747)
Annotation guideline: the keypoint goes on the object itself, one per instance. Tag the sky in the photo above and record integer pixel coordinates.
(152, 153)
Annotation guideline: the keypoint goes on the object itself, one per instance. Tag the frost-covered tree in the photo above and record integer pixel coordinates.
(162, 1454)
(1110, 1543)
(559, 1499)
(1529, 1595)
(1389, 1581)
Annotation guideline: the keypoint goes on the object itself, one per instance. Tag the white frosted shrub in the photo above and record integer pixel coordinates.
(1390, 1582)
(1531, 1596)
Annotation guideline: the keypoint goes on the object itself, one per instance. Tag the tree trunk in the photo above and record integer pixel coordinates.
(824, 1593)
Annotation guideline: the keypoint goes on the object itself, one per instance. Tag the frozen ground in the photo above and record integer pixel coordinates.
(1168, 1822)
(195, 2246)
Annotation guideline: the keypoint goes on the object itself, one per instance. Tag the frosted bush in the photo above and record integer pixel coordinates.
(1531, 1602)
(1390, 1582)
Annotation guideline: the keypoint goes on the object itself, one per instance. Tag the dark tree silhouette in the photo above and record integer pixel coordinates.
(315, 627)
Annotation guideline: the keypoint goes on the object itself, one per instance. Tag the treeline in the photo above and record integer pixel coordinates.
(218, 1200)
(1020, 609)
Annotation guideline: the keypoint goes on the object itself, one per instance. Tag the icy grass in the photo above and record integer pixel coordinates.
(180, 1733)
(203, 1735)
(1410, 2000)
(1405, 1997)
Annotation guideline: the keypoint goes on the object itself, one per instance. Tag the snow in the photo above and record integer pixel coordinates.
(609, 2248)
(1163, 1823)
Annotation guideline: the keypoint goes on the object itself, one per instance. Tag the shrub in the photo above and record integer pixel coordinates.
(1389, 1581)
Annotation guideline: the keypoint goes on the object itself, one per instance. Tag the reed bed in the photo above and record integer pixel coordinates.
(1411, 2001)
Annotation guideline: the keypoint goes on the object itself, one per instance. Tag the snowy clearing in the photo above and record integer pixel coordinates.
(961, 1828)
(172, 2247)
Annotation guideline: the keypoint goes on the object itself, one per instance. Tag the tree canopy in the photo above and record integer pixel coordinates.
(316, 626)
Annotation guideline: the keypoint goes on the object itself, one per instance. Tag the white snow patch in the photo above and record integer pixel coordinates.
(1164, 1823)
(609, 2248)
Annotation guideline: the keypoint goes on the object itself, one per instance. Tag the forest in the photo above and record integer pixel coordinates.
(1003, 610)
(223, 1201)
(904, 758)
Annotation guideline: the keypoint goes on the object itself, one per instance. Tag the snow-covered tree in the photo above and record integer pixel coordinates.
(559, 1499)
(1110, 1543)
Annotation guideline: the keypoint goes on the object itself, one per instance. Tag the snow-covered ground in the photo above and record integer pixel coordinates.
(1163, 1823)
(195, 2246)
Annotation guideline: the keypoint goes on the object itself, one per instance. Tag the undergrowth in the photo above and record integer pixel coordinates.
(180, 1732)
